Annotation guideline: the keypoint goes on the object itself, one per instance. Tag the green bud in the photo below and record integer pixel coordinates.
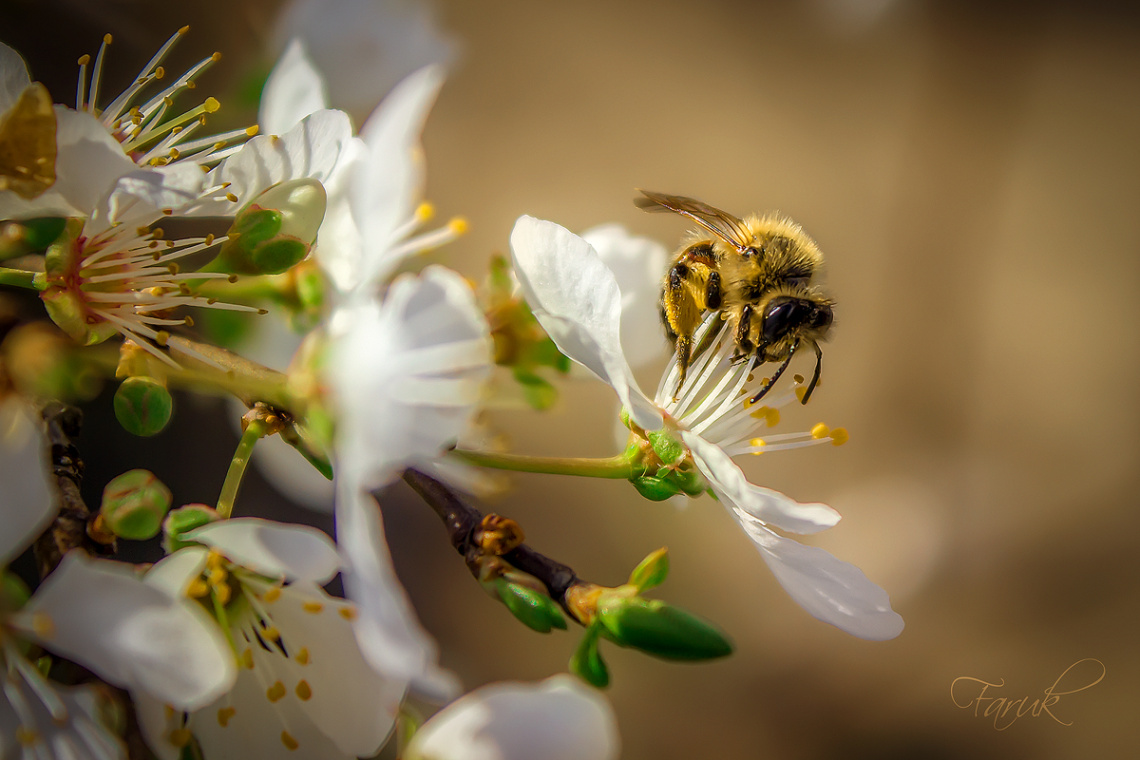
(533, 609)
(274, 231)
(660, 629)
(134, 505)
(667, 448)
(654, 488)
(587, 662)
(651, 571)
(183, 520)
(689, 481)
(143, 406)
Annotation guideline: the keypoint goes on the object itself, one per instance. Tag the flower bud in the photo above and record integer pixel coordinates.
(275, 230)
(143, 406)
(134, 505)
(651, 571)
(533, 609)
(655, 488)
(660, 629)
(183, 520)
(587, 662)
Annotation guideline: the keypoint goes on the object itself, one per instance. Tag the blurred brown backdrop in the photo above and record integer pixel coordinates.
(971, 171)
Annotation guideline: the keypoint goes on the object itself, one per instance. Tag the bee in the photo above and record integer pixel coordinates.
(758, 272)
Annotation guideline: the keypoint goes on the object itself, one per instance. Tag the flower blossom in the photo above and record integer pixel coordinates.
(577, 300)
(303, 687)
(146, 641)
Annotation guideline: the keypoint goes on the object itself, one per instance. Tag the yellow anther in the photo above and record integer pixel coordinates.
(758, 443)
(458, 225)
(313, 607)
(222, 594)
(209, 239)
(231, 198)
(820, 431)
(270, 633)
(304, 691)
(289, 742)
(184, 29)
(216, 56)
(424, 211)
(273, 594)
(161, 338)
(224, 715)
(247, 659)
(27, 736)
(348, 613)
(839, 436)
(42, 625)
(180, 737)
(84, 60)
(276, 692)
(211, 105)
(302, 656)
(197, 589)
(174, 154)
(798, 379)
(159, 72)
(251, 131)
(770, 416)
(218, 576)
(800, 392)
(107, 39)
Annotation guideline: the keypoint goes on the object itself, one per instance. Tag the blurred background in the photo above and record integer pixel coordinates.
(970, 170)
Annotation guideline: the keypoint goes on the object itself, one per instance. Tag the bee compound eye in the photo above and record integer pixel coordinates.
(782, 316)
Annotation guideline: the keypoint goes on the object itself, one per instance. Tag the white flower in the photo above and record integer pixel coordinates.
(303, 687)
(145, 639)
(578, 302)
(132, 135)
(557, 719)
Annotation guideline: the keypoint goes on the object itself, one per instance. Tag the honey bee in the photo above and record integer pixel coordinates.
(758, 273)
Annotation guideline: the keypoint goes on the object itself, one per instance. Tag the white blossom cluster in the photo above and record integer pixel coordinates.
(229, 645)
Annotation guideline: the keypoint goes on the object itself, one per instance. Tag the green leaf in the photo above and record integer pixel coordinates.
(660, 629)
(587, 662)
(651, 571)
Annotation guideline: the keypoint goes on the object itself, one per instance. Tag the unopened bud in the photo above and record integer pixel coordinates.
(655, 488)
(183, 520)
(660, 629)
(533, 609)
(275, 230)
(651, 571)
(134, 505)
(143, 406)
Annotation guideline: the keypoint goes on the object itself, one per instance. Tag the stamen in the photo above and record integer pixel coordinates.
(97, 75)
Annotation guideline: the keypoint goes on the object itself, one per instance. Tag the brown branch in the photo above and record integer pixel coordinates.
(465, 527)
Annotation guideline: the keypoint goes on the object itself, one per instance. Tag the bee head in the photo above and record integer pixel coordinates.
(788, 315)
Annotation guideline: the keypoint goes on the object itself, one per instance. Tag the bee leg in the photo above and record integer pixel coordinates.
(776, 375)
(713, 292)
(743, 327)
(815, 375)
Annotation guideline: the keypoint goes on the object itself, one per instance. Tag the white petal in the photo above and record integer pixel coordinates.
(365, 47)
(388, 182)
(576, 299)
(27, 502)
(174, 572)
(407, 374)
(764, 504)
(141, 197)
(315, 149)
(66, 722)
(14, 78)
(276, 550)
(293, 90)
(830, 590)
(386, 627)
(638, 264)
(558, 719)
(146, 640)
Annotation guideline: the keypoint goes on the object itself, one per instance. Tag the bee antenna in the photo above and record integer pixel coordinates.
(776, 376)
(815, 375)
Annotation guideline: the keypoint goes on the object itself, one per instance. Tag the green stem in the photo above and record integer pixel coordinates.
(617, 467)
(254, 432)
(18, 278)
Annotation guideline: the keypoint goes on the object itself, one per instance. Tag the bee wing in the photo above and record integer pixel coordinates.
(724, 225)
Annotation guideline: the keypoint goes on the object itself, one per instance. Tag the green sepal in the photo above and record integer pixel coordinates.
(655, 488)
(587, 662)
(689, 481)
(535, 610)
(183, 520)
(143, 406)
(30, 236)
(135, 505)
(660, 629)
(667, 448)
(651, 571)
(273, 232)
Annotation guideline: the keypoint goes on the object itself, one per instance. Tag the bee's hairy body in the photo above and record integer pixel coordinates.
(758, 272)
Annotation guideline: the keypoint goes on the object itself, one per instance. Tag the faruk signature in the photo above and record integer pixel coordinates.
(967, 691)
